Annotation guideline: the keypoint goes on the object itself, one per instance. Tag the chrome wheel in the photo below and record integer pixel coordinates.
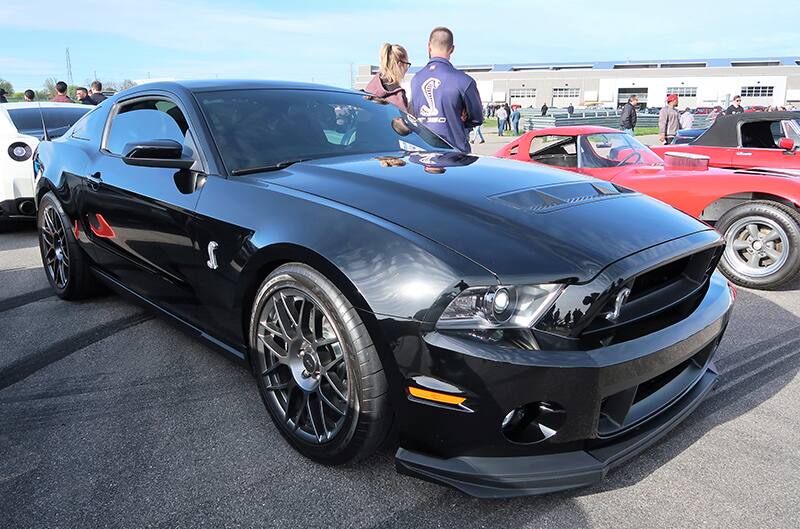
(756, 246)
(53, 238)
(304, 368)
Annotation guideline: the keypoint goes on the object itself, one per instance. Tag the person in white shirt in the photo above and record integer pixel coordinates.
(502, 116)
(686, 119)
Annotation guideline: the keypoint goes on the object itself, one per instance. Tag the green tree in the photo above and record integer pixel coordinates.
(50, 87)
(7, 86)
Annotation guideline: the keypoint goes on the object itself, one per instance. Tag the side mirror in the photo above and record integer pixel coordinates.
(787, 144)
(156, 153)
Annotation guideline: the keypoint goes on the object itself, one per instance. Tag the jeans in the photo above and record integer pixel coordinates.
(477, 134)
(628, 132)
(501, 125)
(515, 125)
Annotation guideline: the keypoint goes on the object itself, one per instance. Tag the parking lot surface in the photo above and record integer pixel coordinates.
(109, 417)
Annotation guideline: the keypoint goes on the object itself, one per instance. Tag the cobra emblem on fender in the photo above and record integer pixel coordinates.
(212, 256)
(427, 90)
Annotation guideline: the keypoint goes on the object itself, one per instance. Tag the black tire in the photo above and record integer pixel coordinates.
(365, 424)
(75, 281)
(752, 226)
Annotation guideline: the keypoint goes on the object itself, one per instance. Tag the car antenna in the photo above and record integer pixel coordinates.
(45, 137)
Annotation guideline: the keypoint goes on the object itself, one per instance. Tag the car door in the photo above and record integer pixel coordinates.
(139, 217)
(755, 151)
(718, 156)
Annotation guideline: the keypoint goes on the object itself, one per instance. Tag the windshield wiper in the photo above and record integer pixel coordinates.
(266, 168)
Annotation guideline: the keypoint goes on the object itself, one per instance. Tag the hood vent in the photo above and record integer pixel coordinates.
(547, 198)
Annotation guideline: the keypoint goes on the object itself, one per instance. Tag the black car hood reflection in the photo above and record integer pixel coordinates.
(486, 209)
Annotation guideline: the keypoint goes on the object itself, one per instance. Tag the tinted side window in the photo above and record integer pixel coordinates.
(57, 120)
(757, 135)
(146, 120)
(90, 126)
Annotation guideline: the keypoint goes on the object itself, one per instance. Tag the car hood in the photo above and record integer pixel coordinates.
(520, 221)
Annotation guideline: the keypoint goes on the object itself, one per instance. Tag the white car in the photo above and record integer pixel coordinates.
(21, 130)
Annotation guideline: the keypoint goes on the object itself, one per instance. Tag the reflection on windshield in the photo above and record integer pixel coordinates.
(614, 150)
(263, 127)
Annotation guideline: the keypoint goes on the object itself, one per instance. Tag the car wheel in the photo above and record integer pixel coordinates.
(317, 368)
(64, 262)
(762, 244)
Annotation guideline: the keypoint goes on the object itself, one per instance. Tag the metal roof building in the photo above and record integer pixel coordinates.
(698, 82)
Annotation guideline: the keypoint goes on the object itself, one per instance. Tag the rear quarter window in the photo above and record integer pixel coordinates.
(58, 120)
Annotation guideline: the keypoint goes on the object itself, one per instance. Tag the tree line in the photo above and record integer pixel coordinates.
(48, 89)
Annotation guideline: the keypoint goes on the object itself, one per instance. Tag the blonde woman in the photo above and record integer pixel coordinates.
(386, 83)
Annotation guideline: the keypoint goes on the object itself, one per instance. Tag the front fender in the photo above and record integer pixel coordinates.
(382, 268)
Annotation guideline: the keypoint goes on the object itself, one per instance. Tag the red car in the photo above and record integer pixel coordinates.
(749, 141)
(757, 212)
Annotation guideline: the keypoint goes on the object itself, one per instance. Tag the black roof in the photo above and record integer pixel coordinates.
(725, 130)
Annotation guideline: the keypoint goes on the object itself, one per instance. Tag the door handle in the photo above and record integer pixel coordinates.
(94, 180)
(744, 154)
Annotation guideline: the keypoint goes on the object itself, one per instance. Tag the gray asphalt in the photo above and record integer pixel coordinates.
(112, 418)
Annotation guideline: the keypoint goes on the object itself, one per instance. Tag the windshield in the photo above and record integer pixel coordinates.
(788, 128)
(262, 128)
(613, 150)
(58, 120)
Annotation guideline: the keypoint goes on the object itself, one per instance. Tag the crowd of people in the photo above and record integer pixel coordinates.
(447, 100)
(670, 119)
(93, 96)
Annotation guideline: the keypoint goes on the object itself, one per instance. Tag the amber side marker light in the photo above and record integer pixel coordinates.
(435, 396)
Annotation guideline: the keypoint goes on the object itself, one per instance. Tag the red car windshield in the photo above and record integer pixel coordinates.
(613, 150)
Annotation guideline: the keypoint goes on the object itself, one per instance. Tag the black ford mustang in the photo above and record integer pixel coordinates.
(516, 329)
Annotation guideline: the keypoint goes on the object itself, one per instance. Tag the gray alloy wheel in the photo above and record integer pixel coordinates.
(64, 262)
(756, 246)
(318, 371)
(55, 250)
(306, 374)
(762, 244)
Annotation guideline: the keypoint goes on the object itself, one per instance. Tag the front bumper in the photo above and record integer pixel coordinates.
(466, 449)
(505, 477)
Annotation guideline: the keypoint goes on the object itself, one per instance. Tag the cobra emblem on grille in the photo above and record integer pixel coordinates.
(620, 300)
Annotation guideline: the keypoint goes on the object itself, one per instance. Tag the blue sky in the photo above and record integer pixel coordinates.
(318, 40)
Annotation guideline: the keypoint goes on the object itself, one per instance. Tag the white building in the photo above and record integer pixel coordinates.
(698, 82)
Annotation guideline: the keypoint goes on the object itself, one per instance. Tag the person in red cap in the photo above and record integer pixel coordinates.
(669, 121)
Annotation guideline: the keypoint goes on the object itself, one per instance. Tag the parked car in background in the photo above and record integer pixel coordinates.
(749, 140)
(21, 129)
(517, 330)
(702, 111)
(687, 136)
(755, 108)
(756, 211)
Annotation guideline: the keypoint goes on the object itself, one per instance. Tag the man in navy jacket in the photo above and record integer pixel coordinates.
(446, 100)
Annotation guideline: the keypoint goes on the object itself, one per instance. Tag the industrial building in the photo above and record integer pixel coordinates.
(698, 82)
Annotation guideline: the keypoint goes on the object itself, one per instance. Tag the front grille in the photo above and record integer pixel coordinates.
(658, 298)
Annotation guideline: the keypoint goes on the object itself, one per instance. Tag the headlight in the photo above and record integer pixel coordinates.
(19, 151)
(499, 307)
